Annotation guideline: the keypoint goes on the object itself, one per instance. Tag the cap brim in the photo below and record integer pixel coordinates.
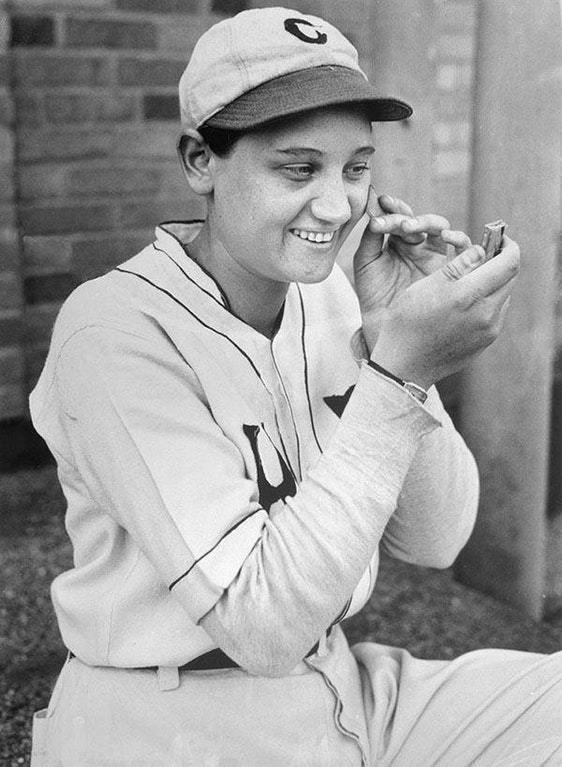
(303, 90)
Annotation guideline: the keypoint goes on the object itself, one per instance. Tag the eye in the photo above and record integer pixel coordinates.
(356, 171)
(300, 172)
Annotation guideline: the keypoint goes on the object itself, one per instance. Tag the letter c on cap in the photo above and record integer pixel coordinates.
(294, 27)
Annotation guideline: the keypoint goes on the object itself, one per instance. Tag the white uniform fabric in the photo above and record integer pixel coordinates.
(211, 476)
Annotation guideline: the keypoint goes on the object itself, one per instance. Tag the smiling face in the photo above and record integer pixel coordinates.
(285, 199)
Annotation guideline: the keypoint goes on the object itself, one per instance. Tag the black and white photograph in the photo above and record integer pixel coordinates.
(280, 383)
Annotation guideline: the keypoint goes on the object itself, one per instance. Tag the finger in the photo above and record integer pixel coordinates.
(430, 223)
(459, 240)
(373, 208)
(492, 275)
(393, 224)
(389, 223)
(463, 264)
(394, 205)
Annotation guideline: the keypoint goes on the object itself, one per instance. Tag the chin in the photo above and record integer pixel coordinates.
(318, 275)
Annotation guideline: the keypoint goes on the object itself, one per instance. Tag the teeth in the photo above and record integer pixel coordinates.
(314, 236)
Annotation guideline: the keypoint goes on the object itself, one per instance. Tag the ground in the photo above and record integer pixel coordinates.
(426, 611)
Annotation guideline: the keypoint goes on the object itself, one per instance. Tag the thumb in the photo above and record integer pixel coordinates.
(463, 264)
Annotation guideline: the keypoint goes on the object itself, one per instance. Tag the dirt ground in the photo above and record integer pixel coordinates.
(425, 610)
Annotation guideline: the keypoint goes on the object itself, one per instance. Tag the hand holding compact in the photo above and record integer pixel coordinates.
(429, 303)
(415, 247)
(436, 326)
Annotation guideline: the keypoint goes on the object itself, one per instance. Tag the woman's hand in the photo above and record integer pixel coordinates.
(429, 303)
(415, 248)
(440, 323)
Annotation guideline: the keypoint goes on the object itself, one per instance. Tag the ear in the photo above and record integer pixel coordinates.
(197, 161)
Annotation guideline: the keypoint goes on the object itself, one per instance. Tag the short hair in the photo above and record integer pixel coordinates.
(220, 141)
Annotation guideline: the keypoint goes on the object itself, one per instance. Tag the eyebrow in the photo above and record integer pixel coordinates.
(298, 151)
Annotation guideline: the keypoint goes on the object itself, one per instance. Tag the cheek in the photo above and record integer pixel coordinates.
(358, 201)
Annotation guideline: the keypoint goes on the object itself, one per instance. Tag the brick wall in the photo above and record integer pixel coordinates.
(94, 85)
(90, 88)
(93, 121)
(12, 384)
(87, 136)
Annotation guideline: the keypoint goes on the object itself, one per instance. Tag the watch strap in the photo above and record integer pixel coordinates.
(412, 388)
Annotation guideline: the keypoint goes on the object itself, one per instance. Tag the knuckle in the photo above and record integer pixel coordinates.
(453, 270)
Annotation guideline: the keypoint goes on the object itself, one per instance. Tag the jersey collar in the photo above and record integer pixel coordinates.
(173, 237)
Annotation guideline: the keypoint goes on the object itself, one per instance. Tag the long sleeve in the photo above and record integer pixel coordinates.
(437, 506)
(439, 499)
(435, 509)
(269, 586)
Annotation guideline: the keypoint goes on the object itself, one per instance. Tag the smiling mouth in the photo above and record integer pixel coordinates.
(316, 237)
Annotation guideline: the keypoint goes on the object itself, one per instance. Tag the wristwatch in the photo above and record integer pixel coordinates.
(412, 388)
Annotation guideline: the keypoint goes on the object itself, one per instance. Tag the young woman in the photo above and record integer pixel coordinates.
(237, 432)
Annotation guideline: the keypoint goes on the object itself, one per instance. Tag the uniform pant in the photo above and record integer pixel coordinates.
(371, 705)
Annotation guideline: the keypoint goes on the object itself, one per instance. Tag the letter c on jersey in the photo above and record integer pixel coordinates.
(294, 27)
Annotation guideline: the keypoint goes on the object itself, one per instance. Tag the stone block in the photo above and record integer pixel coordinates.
(161, 106)
(10, 291)
(110, 33)
(48, 288)
(47, 71)
(73, 144)
(29, 30)
(9, 249)
(163, 6)
(39, 321)
(11, 327)
(6, 181)
(113, 181)
(4, 72)
(63, 4)
(93, 257)
(153, 141)
(36, 182)
(70, 108)
(150, 72)
(228, 7)
(181, 35)
(6, 109)
(6, 143)
(46, 219)
(29, 108)
(12, 401)
(11, 365)
(43, 254)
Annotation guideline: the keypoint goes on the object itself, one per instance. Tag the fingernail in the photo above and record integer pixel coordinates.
(378, 221)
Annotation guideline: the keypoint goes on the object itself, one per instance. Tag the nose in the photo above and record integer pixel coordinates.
(331, 201)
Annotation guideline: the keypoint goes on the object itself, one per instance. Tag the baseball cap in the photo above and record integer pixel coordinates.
(267, 63)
